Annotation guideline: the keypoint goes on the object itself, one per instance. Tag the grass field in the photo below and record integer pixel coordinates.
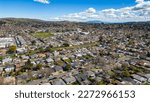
(76, 46)
(42, 34)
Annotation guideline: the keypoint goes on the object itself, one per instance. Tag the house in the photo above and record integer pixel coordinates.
(98, 79)
(18, 66)
(34, 82)
(125, 83)
(128, 80)
(3, 52)
(57, 68)
(24, 57)
(7, 60)
(51, 78)
(84, 33)
(48, 60)
(75, 64)
(22, 76)
(86, 82)
(98, 71)
(33, 62)
(9, 69)
(21, 50)
(144, 63)
(64, 58)
(80, 78)
(56, 53)
(37, 82)
(69, 79)
(139, 78)
(90, 74)
(58, 82)
(78, 55)
(41, 55)
(137, 82)
(34, 56)
(146, 76)
(21, 79)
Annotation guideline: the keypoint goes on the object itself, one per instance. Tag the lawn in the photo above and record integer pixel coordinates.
(73, 47)
(42, 34)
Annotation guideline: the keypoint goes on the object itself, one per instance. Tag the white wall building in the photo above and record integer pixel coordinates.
(6, 42)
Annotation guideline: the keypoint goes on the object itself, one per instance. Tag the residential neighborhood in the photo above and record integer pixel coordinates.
(35, 52)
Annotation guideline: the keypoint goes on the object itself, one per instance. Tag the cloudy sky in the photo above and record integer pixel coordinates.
(77, 10)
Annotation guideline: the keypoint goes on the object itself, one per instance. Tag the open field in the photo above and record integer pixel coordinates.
(42, 34)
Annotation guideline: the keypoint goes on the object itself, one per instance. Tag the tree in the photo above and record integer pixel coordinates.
(28, 65)
(102, 82)
(38, 67)
(67, 67)
(1, 58)
(114, 82)
(126, 73)
(41, 49)
(12, 49)
(66, 45)
(33, 42)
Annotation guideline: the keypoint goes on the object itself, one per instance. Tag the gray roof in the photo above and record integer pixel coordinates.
(57, 68)
(139, 78)
(58, 82)
(90, 74)
(81, 77)
(69, 79)
(49, 60)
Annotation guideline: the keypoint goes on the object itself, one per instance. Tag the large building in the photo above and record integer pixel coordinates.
(6, 42)
(20, 41)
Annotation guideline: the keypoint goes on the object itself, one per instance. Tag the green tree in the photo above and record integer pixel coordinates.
(41, 49)
(12, 49)
(38, 67)
(1, 58)
(102, 82)
(28, 66)
(66, 45)
(67, 68)
(126, 73)
(33, 42)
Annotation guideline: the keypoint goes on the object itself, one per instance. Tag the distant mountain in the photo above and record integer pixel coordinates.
(35, 21)
(94, 21)
(22, 21)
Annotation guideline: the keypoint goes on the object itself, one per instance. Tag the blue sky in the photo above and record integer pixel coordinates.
(77, 10)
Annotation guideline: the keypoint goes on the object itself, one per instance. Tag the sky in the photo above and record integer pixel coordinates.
(77, 10)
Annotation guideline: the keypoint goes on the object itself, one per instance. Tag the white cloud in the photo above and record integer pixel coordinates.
(91, 10)
(43, 1)
(139, 1)
(138, 12)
